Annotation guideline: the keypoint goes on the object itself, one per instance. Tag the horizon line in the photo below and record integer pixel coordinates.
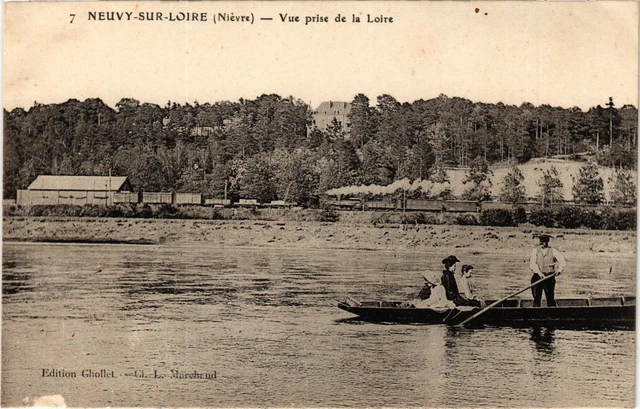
(312, 105)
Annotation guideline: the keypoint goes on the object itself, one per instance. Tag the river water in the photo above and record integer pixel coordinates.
(264, 323)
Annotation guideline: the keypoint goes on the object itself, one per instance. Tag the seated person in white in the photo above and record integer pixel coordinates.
(462, 280)
(438, 299)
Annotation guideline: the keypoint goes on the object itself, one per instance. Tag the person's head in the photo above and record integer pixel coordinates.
(467, 269)
(432, 279)
(450, 263)
(544, 240)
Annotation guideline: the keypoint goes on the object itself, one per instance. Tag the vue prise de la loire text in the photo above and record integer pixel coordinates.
(222, 18)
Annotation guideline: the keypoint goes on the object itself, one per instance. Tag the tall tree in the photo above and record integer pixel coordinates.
(362, 121)
(588, 187)
(623, 189)
(550, 187)
(256, 181)
(512, 190)
(478, 176)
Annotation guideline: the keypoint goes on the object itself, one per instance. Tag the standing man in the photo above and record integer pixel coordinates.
(545, 260)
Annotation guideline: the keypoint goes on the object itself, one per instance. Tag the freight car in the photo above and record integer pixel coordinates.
(279, 204)
(461, 206)
(383, 205)
(345, 204)
(424, 205)
(217, 202)
(193, 199)
(248, 203)
(126, 197)
(157, 198)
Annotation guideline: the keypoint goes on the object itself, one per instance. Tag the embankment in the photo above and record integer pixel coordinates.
(313, 235)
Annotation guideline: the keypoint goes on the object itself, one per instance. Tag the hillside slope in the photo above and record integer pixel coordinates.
(532, 172)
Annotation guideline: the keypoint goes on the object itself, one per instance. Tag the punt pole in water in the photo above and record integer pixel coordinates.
(487, 308)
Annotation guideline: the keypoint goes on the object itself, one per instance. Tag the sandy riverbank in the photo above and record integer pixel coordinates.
(314, 235)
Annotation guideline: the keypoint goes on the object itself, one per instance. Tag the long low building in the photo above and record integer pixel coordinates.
(74, 190)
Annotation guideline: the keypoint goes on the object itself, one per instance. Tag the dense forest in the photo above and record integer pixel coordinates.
(264, 149)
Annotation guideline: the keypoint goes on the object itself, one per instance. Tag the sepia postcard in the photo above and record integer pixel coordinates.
(319, 204)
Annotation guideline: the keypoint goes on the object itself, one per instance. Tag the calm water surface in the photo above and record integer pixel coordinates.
(265, 321)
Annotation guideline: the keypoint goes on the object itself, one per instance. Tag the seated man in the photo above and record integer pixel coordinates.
(449, 281)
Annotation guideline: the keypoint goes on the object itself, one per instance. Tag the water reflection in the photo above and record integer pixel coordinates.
(543, 339)
(17, 282)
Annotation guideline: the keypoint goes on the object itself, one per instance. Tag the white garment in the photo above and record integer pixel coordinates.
(561, 263)
(437, 300)
(463, 286)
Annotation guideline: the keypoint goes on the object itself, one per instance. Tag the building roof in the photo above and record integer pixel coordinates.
(95, 183)
(334, 108)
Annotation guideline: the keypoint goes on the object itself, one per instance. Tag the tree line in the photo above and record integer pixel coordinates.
(265, 148)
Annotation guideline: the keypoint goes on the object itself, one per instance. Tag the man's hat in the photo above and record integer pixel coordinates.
(544, 237)
(451, 260)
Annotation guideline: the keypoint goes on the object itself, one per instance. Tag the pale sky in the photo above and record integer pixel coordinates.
(564, 54)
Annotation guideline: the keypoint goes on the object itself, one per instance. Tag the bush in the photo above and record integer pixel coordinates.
(388, 218)
(114, 211)
(520, 215)
(497, 217)
(329, 215)
(145, 212)
(620, 220)
(593, 220)
(128, 210)
(570, 217)
(95, 211)
(166, 211)
(9, 210)
(467, 220)
(626, 220)
(543, 217)
(55, 210)
(576, 217)
(419, 218)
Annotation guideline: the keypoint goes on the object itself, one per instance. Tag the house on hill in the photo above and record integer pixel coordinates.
(327, 111)
(74, 190)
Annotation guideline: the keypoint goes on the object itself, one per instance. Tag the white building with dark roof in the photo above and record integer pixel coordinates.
(75, 190)
(327, 111)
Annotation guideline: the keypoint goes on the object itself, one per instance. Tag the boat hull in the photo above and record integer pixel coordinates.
(581, 313)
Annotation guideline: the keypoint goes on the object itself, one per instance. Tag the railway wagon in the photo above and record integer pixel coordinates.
(495, 206)
(460, 206)
(194, 199)
(348, 204)
(217, 202)
(279, 204)
(126, 197)
(527, 206)
(424, 205)
(247, 203)
(384, 205)
(157, 197)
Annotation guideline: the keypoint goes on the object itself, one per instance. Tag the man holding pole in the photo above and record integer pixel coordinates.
(545, 261)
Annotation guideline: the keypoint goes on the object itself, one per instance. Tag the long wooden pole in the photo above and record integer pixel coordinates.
(487, 308)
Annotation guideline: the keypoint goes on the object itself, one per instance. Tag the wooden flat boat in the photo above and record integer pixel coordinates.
(580, 313)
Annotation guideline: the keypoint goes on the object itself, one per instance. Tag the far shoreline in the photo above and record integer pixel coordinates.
(312, 235)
